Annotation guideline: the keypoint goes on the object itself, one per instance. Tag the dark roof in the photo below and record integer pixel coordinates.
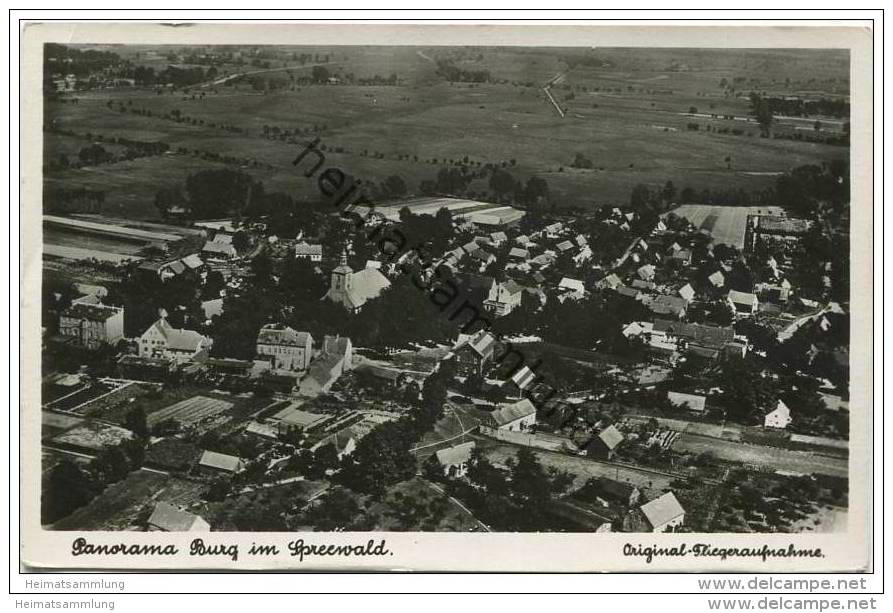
(91, 312)
(697, 334)
(606, 489)
(664, 305)
(271, 334)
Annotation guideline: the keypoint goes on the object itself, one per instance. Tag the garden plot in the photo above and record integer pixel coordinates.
(190, 411)
(93, 436)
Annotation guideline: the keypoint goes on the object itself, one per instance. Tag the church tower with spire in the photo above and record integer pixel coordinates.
(341, 276)
(353, 289)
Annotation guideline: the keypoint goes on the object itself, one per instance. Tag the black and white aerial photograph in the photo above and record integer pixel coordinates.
(445, 288)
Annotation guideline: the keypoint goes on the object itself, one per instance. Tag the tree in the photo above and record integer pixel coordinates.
(135, 421)
(395, 186)
(502, 182)
(762, 112)
(535, 192)
(220, 488)
(241, 241)
(746, 393)
(337, 511)
(381, 458)
(220, 191)
(687, 195)
(68, 488)
(639, 197)
(669, 192)
(94, 154)
(111, 465)
(319, 74)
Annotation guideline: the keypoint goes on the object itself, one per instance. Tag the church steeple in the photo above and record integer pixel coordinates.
(342, 274)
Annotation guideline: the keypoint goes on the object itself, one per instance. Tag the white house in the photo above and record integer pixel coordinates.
(168, 518)
(646, 272)
(213, 462)
(690, 402)
(743, 303)
(454, 460)
(287, 348)
(717, 279)
(663, 513)
(779, 418)
(162, 340)
(307, 251)
(571, 288)
(503, 298)
(515, 417)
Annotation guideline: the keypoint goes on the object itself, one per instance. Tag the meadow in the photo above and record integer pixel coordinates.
(632, 121)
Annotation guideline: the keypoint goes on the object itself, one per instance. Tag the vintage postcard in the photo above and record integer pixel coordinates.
(570, 298)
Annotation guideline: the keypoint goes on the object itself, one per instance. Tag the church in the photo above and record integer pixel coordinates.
(353, 289)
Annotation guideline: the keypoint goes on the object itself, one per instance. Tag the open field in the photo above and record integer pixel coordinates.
(631, 121)
(582, 468)
(761, 455)
(189, 411)
(726, 224)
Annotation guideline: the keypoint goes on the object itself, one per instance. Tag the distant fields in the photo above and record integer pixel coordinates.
(635, 135)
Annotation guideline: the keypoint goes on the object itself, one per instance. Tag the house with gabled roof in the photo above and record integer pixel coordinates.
(514, 417)
(213, 462)
(454, 460)
(92, 325)
(602, 446)
(779, 417)
(503, 297)
(497, 238)
(553, 230)
(663, 514)
(217, 249)
(690, 402)
(743, 303)
(687, 292)
(564, 246)
(516, 253)
(168, 518)
(717, 279)
(161, 340)
(609, 493)
(520, 382)
(668, 306)
(646, 272)
(571, 288)
(474, 354)
(612, 281)
(305, 250)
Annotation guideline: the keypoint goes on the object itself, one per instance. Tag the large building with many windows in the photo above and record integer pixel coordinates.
(286, 348)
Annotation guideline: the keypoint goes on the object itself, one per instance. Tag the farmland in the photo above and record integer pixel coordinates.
(190, 411)
(724, 223)
(632, 121)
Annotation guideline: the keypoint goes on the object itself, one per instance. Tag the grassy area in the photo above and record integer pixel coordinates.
(415, 506)
(582, 468)
(631, 121)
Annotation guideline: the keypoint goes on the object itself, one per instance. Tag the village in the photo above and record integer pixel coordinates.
(526, 370)
(514, 326)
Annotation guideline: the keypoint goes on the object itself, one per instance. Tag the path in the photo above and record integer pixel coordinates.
(440, 490)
